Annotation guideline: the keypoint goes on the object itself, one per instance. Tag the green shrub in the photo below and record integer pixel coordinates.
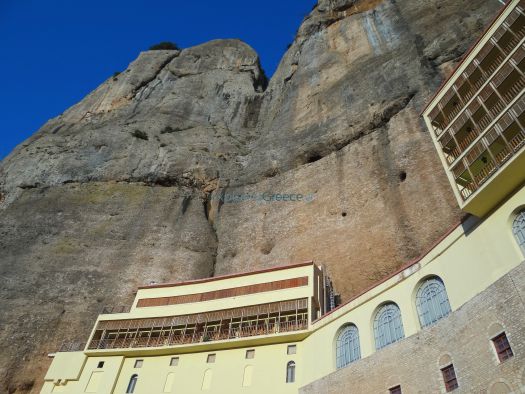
(163, 45)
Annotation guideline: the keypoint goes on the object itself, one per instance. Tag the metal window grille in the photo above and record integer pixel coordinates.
(432, 301)
(132, 383)
(502, 345)
(388, 326)
(347, 346)
(449, 377)
(290, 372)
(518, 229)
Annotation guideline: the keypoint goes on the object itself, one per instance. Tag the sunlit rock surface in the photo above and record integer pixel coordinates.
(135, 183)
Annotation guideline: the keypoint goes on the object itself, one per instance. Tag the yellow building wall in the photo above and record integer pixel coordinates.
(269, 371)
(92, 378)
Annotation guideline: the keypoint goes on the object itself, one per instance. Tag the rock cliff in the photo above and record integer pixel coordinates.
(136, 183)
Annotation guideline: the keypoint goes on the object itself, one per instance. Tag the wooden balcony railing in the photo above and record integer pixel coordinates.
(168, 338)
(247, 321)
(467, 187)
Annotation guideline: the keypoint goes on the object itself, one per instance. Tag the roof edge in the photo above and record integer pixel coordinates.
(228, 276)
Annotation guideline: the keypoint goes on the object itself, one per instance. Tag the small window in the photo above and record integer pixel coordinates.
(395, 390)
(250, 353)
(502, 345)
(211, 358)
(132, 383)
(292, 349)
(449, 377)
(138, 363)
(100, 364)
(174, 361)
(518, 229)
(290, 372)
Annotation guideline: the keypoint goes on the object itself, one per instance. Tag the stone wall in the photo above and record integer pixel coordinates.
(463, 338)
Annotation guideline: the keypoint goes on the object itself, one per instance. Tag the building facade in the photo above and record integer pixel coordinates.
(477, 118)
(451, 320)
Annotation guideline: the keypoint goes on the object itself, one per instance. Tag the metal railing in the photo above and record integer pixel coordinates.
(169, 338)
(492, 165)
(71, 346)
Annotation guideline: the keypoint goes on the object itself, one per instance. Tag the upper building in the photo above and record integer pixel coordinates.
(280, 302)
(477, 117)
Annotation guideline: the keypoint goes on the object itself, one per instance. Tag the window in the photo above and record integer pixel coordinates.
(206, 380)
(518, 229)
(247, 376)
(502, 345)
(250, 353)
(100, 364)
(347, 346)
(132, 383)
(174, 361)
(432, 301)
(449, 377)
(395, 390)
(388, 327)
(292, 349)
(138, 363)
(211, 358)
(170, 380)
(290, 372)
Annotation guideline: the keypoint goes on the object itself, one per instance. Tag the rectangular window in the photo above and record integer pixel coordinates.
(250, 353)
(292, 349)
(100, 364)
(174, 361)
(502, 345)
(395, 390)
(211, 358)
(449, 377)
(138, 363)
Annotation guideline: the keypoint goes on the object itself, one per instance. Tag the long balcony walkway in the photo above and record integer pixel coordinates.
(265, 319)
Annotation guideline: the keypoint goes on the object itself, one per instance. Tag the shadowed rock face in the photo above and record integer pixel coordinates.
(124, 188)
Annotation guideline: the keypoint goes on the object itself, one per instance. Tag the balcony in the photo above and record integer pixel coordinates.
(504, 44)
(252, 321)
(489, 157)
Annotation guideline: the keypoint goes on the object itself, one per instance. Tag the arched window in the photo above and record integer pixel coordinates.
(132, 383)
(206, 380)
(388, 327)
(518, 229)
(432, 301)
(290, 372)
(347, 346)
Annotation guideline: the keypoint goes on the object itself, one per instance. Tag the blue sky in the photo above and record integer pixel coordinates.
(54, 52)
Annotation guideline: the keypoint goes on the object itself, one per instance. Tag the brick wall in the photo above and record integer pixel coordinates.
(463, 337)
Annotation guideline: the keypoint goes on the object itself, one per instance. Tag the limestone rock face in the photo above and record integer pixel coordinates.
(136, 182)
